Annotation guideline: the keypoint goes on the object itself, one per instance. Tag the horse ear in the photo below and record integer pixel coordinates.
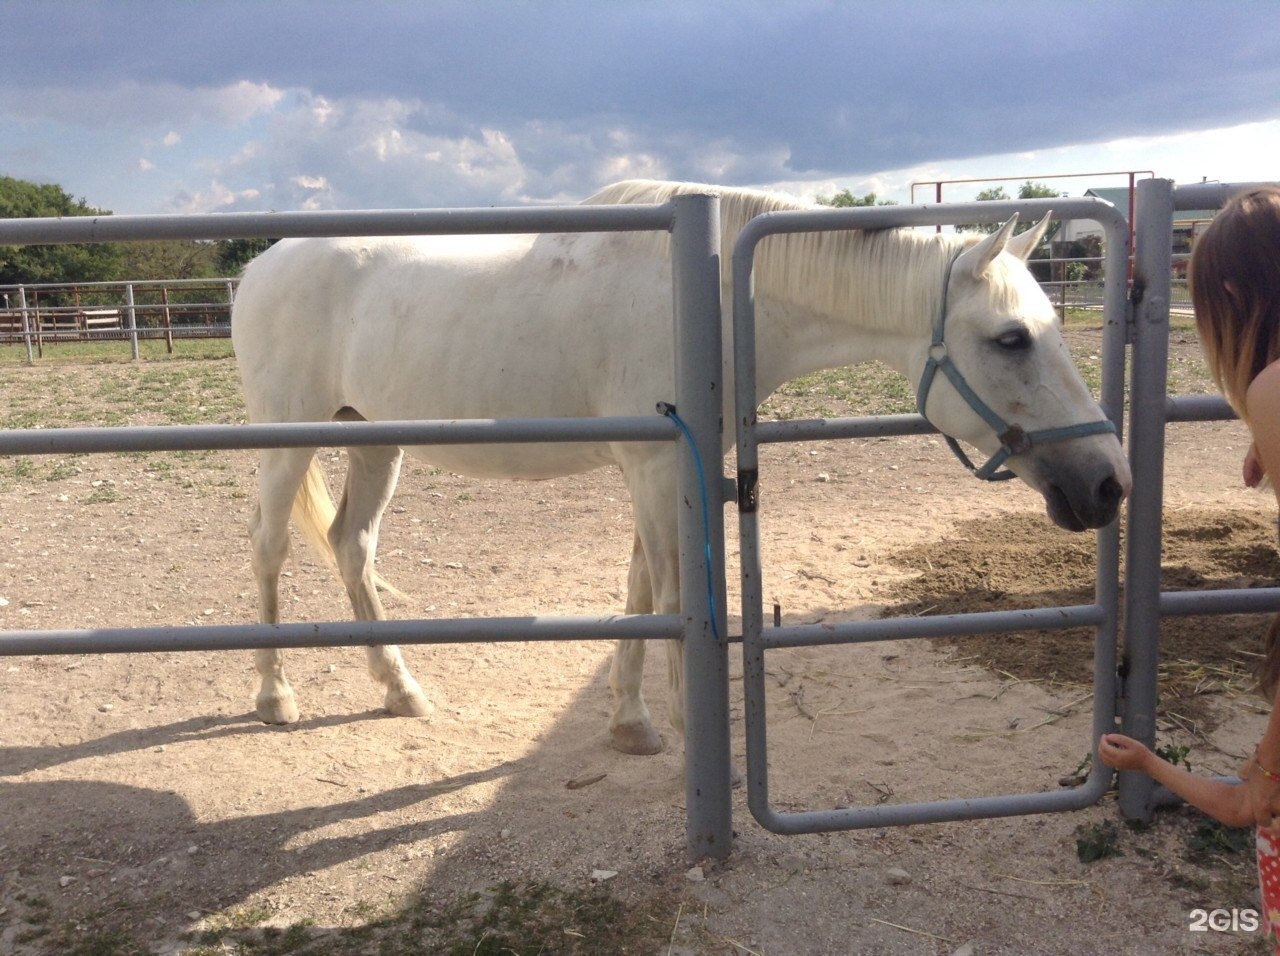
(1022, 246)
(978, 259)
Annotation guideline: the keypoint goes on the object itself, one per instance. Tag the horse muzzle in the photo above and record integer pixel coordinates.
(1083, 498)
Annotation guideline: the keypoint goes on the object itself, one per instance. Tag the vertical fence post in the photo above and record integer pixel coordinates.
(132, 314)
(36, 322)
(695, 242)
(26, 324)
(1152, 268)
(168, 319)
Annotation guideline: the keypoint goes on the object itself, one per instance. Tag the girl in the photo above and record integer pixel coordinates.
(1235, 287)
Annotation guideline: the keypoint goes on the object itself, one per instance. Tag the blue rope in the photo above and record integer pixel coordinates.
(670, 411)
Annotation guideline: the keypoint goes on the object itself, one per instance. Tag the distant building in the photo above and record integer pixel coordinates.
(1187, 224)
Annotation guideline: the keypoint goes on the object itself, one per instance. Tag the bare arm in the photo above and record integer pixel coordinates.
(1225, 802)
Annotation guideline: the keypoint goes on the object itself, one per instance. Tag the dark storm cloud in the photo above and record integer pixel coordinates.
(773, 89)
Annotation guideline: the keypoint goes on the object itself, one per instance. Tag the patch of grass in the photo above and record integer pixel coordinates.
(104, 495)
(152, 350)
(80, 936)
(1097, 841)
(161, 393)
(19, 417)
(870, 389)
(62, 468)
(507, 919)
(1175, 754)
(1214, 844)
(109, 942)
(97, 394)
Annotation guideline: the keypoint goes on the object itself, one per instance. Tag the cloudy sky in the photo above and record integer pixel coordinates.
(232, 105)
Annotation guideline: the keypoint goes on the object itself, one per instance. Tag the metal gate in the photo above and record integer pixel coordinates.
(1102, 614)
(694, 223)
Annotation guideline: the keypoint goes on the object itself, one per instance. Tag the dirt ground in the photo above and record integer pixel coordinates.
(143, 786)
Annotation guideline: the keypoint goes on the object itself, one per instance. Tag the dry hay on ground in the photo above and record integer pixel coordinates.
(1023, 562)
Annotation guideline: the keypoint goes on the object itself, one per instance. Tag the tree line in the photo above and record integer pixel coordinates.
(847, 199)
(1028, 190)
(193, 259)
(106, 261)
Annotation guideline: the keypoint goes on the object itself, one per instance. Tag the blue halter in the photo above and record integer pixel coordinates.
(1014, 439)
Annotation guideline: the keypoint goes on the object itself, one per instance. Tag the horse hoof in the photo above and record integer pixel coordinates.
(638, 739)
(278, 710)
(410, 704)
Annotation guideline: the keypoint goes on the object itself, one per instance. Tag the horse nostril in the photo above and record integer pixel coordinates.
(1110, 492)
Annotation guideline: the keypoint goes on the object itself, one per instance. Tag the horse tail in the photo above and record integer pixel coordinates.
(314, 514)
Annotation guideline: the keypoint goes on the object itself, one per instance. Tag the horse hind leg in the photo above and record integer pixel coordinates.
(371, 481)
(631, 728)
(280, 474)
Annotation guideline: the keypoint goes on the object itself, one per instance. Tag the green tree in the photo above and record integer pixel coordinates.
(1028, 190)
(169, 259)
(89, 262)
(234, 254)
(845, 199)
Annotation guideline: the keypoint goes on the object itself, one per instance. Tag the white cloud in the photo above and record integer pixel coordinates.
(146, 165)
(629, 166)
(364, 153)
(214, 198)
(172, 138)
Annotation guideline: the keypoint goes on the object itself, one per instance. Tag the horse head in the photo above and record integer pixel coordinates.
(998, 376)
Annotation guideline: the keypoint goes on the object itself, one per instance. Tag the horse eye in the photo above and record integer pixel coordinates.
(1014, 340)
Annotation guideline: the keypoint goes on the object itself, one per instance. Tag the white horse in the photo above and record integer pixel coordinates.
(580, 325)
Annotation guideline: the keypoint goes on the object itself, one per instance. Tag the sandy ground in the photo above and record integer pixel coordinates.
(142, 785)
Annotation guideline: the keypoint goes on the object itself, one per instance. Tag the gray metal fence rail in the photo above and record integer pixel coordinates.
(694, 223)
(1102, 614)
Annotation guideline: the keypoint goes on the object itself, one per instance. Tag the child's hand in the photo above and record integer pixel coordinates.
(1122, 753)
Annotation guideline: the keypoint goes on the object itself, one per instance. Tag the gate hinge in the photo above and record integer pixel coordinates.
(748, 490)
(1137, 291)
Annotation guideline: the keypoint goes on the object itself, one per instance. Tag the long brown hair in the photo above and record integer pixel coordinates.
(1235, 285)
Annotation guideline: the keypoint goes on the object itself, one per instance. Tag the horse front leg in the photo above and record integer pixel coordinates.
(631, 728)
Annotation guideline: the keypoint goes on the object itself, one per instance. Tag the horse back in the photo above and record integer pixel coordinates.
(454, 327)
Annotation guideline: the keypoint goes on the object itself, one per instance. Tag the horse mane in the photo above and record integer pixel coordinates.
(874, 278)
